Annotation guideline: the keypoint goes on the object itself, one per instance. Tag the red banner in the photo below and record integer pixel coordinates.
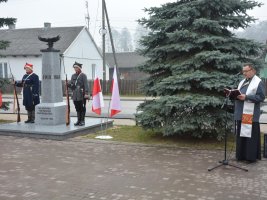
(1, 100)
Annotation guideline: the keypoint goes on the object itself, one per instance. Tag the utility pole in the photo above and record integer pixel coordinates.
(111, 40)
(87, 17)
(103, 45)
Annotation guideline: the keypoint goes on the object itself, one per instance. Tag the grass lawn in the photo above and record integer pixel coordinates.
(5, 121)
(135, 134)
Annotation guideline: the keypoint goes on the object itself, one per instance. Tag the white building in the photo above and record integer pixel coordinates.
(75, 44)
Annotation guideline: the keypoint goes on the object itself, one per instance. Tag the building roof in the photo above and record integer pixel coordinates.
(25, 42)
(125, 59)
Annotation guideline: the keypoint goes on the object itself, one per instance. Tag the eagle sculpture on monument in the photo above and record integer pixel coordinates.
(50, 41)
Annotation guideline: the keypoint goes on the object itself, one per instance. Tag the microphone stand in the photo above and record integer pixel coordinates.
(225, 161)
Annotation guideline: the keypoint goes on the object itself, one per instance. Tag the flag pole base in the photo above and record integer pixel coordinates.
(104, 137)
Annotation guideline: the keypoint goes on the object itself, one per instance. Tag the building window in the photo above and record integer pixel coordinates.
(3, 70)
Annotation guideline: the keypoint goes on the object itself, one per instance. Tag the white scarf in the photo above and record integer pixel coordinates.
(248, 109)
(77, 78)
(24, 83)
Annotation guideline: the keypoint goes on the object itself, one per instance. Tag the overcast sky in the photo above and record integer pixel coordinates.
(122, 13)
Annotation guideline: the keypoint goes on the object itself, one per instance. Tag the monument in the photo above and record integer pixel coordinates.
(52, 109)
(50, 114)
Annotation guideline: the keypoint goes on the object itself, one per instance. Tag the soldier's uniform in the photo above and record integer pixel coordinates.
(30, 87)
(80, 88)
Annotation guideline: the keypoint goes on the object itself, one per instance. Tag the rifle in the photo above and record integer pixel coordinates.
(68, 102)
(15, 94)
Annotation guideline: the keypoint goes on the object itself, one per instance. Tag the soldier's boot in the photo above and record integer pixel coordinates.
(82, 123)
(32, 116)
(29, 117)
(78, 119)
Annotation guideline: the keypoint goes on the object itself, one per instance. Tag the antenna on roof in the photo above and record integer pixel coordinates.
(87, 17)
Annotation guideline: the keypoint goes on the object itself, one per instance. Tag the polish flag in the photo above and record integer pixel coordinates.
(115, 98)
(98, 101)
(1, 99)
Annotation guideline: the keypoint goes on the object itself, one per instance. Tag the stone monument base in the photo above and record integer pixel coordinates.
(50, 113)
(57, 132)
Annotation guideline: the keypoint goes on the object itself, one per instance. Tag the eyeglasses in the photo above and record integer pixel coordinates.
(245, 71)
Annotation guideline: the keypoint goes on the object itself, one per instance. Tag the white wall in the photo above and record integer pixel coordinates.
(84, 51)
(17, 65)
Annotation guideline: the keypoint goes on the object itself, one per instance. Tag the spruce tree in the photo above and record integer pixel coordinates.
(4, 45)
(192, 55)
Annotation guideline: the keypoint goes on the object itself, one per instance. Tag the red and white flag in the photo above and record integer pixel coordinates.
(1, 99)
(115, 98)
(98, 101)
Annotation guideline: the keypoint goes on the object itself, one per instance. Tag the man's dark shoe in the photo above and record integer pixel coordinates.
(81, 123)
(251, 161)
(77, 123)
(27, 121)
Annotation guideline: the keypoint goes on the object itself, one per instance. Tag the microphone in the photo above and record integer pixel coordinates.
(239, 73)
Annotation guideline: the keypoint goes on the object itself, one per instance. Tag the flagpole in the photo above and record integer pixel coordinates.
(104, 65)
(104, 45)
(104, 53)
(105, 14)
(113, 52)
(115, 81)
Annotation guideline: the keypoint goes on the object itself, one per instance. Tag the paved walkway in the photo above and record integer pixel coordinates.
(79, 169)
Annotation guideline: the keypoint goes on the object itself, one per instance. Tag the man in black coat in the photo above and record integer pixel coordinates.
(30, 87)
(247, 114)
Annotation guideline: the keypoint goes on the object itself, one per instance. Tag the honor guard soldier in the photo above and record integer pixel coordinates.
(30, 91)
(80, 88)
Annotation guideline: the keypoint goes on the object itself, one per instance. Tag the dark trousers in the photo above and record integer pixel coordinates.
(248, 149)
(32, 108)
(80, 107)
(31, 113)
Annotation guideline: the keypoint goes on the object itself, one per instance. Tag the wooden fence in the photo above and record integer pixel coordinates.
(126, 87)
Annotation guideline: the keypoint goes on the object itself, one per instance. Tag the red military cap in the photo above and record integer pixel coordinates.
(29, 66)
